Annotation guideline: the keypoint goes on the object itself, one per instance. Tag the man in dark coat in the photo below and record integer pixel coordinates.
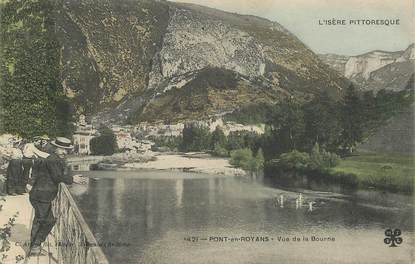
(15, 177)
(47, 174)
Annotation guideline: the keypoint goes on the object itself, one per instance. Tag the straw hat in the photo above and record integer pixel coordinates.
(31, 151)
(62, 142)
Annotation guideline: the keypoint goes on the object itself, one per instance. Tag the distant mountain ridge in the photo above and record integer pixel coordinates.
(376, 70)
(143, 60)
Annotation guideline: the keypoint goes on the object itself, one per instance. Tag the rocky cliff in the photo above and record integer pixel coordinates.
(376, 70)
(337, 62)
(148, 60)
(363, 65)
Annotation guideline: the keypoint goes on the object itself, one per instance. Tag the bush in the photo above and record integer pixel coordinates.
(173, 143)
(220, 151)
(294, 160)
(105, 144)
(344, 179)
(244, 159)
(218, 137)
(240, 157)
(321, 159)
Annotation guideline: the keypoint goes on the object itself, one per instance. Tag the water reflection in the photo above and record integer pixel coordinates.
(81, 167)
(179, 193)
(156, 211)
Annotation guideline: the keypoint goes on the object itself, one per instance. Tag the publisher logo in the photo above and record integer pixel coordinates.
(393, 237)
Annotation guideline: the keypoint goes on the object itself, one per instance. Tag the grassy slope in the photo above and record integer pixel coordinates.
(385, 171)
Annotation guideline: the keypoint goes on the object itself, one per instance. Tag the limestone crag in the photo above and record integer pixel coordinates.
(337, 62)
(367, 63)
(194, 41)
(376, 70)
(126, 60)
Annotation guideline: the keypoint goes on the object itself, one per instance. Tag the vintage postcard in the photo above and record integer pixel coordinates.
(207, 131)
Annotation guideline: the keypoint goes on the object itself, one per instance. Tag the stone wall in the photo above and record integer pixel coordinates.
(75, 241)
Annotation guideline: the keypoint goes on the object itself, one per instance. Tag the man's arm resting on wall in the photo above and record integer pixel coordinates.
(57, 171)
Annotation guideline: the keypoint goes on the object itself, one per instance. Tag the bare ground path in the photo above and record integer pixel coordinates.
(20, 237)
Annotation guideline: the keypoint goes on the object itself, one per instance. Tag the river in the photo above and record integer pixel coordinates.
(179, 217)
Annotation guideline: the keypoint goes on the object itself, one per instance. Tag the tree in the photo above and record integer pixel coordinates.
(322, 126)
(244, 159)
(105, 143)
(286, 124)
(251, 140)
(220, 151)
(241, 158)
(235, 141)
(322, 159)
(196, 137)
(294, 160)
(218, 138)
(259, 158)
(31, 96)
(352, 120)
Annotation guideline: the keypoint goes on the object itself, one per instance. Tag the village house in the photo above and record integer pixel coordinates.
(145, 129)
(83, 134)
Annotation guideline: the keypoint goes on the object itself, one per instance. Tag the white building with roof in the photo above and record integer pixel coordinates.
(82, 137)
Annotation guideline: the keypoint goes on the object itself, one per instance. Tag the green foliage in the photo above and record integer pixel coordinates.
(235, 141)
(244, 159)
(31, 95)
(384, 105)
(341, 178)
(196, 137)
(241, 157)
(286, 128)
(362, 114)
(317, 160)
(243, 139)
(214, 77)
(105, 143)
(294, 160)
(220, 151)
(218, 138)
(322, 159)
(393, 172)
(172, 143)
(252, 114)
(260, 160)
(352, 120)
(322, 126)
(337, 127)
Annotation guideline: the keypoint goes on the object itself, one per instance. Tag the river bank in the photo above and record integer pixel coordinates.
(197, 162)
(386, 172)
(190, 162)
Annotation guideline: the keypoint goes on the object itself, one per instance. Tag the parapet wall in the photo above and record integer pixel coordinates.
(75, 241)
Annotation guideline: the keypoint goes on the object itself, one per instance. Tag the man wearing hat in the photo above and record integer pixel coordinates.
(30, 154)
(47, 174)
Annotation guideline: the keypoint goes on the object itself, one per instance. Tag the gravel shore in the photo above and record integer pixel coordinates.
(191, 162)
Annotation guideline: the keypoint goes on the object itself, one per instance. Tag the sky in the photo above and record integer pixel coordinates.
(302, 17)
